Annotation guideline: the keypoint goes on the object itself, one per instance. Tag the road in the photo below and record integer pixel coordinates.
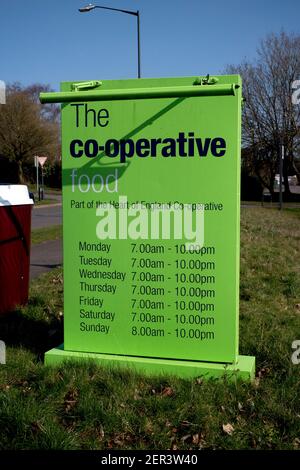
(45, 216)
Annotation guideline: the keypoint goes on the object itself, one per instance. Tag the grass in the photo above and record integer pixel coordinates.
(40, 235)
(87, 407)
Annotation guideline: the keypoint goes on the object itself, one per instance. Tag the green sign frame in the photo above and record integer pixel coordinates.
(151, 203)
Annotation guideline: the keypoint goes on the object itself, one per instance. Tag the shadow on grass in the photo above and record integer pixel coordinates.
(36, 335)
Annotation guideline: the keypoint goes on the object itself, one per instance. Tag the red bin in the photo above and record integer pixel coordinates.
(15, 227)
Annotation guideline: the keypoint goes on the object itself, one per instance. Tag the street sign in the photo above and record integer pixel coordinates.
(151, 196)
(42, 160)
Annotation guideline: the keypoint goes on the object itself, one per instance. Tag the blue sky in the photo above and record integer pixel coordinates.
(43, 41)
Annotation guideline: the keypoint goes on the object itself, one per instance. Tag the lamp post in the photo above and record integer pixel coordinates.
(128, 12)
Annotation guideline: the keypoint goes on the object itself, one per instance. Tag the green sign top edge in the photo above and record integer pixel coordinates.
(144, 89)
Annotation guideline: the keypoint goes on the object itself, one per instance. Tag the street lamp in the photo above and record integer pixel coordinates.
(90, 7)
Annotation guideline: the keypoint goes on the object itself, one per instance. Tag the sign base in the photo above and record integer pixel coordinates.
(244, 368)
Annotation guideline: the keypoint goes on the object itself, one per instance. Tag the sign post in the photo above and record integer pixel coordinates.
(151, 199)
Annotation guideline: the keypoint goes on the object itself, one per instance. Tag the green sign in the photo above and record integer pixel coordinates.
(151, 196)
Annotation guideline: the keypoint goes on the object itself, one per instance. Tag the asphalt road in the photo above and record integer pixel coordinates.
(47, 255)
(45, 216)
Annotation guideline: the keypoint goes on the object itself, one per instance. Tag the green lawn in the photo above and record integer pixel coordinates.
(88, 407)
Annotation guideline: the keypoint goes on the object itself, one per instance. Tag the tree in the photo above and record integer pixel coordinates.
(26, 129)
(270, 119)
(50, 111)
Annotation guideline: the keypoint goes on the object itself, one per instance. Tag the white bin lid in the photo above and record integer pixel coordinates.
(14, 195)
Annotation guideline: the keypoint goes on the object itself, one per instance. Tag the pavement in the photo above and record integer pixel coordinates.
(48, 255)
